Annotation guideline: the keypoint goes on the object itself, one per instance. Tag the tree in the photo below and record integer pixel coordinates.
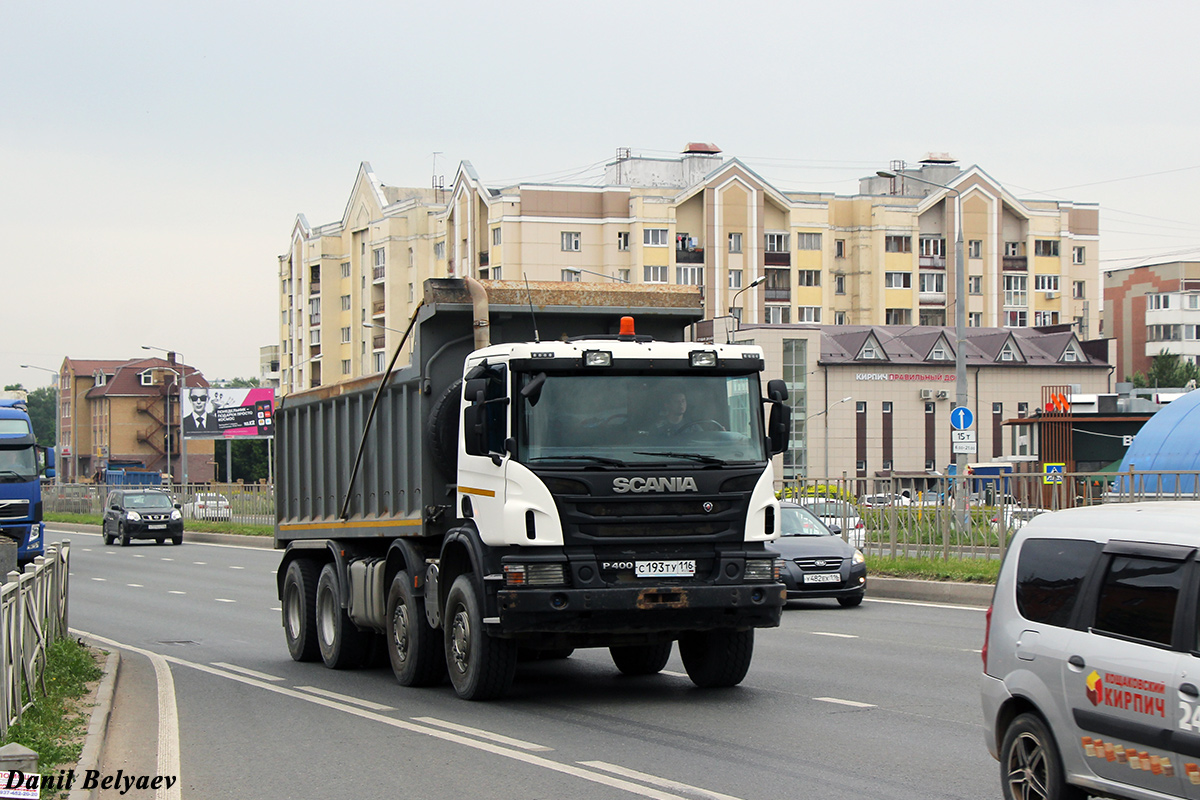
(41, 411)
(1167, 370)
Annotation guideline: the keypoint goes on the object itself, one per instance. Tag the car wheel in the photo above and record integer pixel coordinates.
(124, 535)
(343, 645)
(481, 667)
(299, 610)
(850, 602)
(1030, 766)
(717, 658)
(108, 538)
(642, 659)
(177, 539)
(414, 649)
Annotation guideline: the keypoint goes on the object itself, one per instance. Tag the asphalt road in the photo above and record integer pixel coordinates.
(878, 701)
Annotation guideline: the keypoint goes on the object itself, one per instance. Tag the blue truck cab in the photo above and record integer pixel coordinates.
(20, 481)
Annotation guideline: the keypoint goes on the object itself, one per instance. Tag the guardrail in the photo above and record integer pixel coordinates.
(33, 614)
(248, 503)
(918, 516)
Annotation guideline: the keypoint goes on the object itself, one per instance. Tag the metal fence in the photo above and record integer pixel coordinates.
(918, 516)
(245, 503)
(33, 614)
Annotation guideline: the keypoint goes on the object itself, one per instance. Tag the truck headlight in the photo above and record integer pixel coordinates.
(765, 570)
(597, 358)
(534, 575)
(703, 358)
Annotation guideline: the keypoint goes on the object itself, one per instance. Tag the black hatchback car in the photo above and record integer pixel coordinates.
(817, 561)
(142, 514)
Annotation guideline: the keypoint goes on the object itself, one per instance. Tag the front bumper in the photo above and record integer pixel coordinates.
(150, 530)
(852, 582)
(638, 609)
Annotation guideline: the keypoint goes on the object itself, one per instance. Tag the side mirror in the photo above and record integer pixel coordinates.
(475, 418)
(779, 427)
(532, 391)
(777, 390)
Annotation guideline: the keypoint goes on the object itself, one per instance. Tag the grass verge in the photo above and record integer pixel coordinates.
(53, 727)
(241, 529)
(962, 570)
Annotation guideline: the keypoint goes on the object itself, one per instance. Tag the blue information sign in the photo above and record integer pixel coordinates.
(961, 418)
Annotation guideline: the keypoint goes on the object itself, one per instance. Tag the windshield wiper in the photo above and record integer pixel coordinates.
(612, 462)
(16, 475)
(701, 457)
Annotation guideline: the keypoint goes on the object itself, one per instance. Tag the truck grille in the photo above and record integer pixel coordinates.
(714, 517)
(14, 509)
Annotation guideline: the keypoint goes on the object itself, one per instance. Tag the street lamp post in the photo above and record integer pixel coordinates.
(57, 416)
(960, 335)
(826, 411)
(759, 281)
(182, 391)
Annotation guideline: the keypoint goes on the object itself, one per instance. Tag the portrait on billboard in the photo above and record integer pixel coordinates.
(219, 413)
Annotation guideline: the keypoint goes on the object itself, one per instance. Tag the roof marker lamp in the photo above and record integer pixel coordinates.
(703, 358)
(597, 358)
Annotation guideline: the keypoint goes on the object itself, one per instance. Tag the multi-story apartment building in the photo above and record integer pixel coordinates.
(1152, 309)
(761, 254)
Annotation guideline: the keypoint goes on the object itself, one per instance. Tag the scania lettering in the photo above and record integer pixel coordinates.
(518, 491)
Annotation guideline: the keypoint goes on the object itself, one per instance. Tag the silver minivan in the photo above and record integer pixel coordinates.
(1091, 659)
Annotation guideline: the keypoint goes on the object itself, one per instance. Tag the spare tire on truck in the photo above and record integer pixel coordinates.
(441, 433)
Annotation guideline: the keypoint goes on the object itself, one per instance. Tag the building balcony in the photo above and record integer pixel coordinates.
(932, 298)
(377, 342)
(1016, 263)
(314, 350)
(777, 295)
(483, 258)
(694, 256)
(377, 308)
(377, 273)
(314, 319)
(778, 259)
(314, 287)
(932, 262)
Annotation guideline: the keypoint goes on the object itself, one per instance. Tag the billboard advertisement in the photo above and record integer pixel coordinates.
(214, 413)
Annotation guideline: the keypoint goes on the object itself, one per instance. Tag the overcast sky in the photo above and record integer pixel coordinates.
(154, 156)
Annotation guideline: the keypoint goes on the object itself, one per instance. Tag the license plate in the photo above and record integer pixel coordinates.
(824, 577)
(665, 569)
(153, 527)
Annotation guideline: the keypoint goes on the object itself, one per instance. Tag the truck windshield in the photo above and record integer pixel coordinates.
(641, 419)
(17, 463)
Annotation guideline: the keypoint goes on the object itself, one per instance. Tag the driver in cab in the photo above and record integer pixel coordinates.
(673, 411)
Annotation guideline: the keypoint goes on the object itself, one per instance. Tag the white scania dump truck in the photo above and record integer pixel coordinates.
(540, 478)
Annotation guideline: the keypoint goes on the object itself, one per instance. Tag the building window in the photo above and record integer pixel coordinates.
(809, 277)
(860, 407)
(897, 244)
(975, 319)
(808, 314)
(897, 316)
(975, 248)
(929, 408)
(933, 282)
(380, 360)
(897, 280)
(495, 236)
(1077, 289)
(735, 243)
(933, 246)
(795, 374)
(735, 279)
(839, 284)
(569, 276)
(412, 258)
(939, 353)
(1045, 283)
(778, 315)
(839, 318)
(345, 334)
(1078, 255)
(439, 251)
(1012, 248)
(622, 240)
(345, 366)
(654, 274)
(808, 241)
(1014, 290)
(1158, 302)
(886, 406)
(1043, 318)
(689, 276)
(496, 273)
(860, 465)
(1014, 319)
(622, 276)
(974, 284)
(777, 242)
(570, 241)
(655, 237)
(1046, 248)
(345, 302)
(839, 248)
(379, 256)
(410, 293)
(483, 274)
(345, 269)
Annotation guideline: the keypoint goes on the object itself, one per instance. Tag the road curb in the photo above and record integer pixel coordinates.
(101, 712)
(962, 594)
(204, 537)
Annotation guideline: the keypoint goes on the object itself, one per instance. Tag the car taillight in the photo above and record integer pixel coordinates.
(987, 635)
(859, 525)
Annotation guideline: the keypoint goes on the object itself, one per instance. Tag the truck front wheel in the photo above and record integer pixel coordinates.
(343, 646)
(300, 610)
(412, 645)
(717, 658)
(643, 659)
(481, 667)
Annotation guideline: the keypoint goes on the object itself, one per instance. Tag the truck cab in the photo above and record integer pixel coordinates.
(20, 481)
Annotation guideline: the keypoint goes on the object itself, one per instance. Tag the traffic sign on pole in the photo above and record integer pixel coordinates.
(961, 418)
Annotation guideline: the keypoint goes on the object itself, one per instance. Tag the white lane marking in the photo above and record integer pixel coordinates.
(482, 734)
(673, 674)
(100, 579)
(175, 591)
(969, 650)
(835, 635)
(190, 542)
(168, 716)
(166, 559)
(262, 676)
(200, 563)
(277, 609)
(841, 702)
(654, 780)
(225, 600)
(448, 736)
(138, 555)
(235, 566)
(345, 698)
(135, 586)
(926, 605)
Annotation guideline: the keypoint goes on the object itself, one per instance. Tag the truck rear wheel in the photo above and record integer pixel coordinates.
(717, 658)
(300, 610)
(642, 659)
(481, 667)
(343, 646)
(413, 647)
